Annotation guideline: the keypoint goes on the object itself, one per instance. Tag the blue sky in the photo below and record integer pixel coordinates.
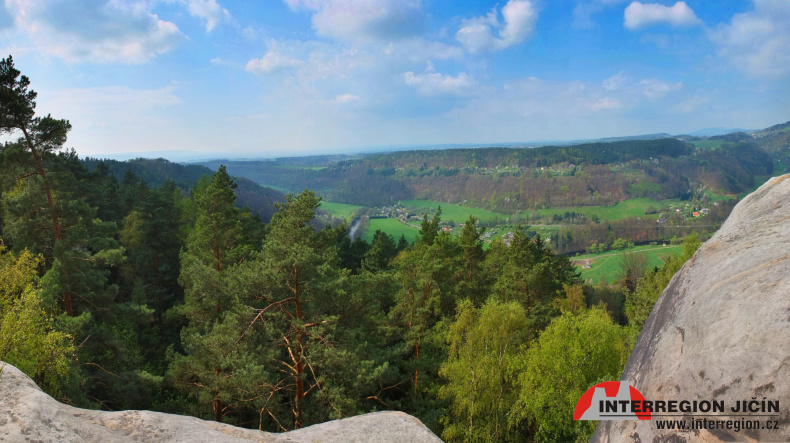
(293, 77)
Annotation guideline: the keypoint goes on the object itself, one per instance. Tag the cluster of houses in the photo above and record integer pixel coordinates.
(696, 211)
(399, 212)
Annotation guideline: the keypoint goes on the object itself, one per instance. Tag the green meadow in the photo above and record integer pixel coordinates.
(452, 212)
(624, 209)
(391, 227)
(607, 265)
(716, 197)
(340, 210)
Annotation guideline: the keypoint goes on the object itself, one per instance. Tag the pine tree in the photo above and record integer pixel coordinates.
(427, 276)
(303, 308)
(382, 250)
(219, 366)
(39, 135)
(429, 229)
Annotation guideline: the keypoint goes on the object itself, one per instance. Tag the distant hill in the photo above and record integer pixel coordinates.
(709, 132)
(775, 140)
(508, 180)
(633, 137)
(156, 171)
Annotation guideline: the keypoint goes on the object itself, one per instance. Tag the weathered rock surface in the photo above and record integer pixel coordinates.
(28, 414)
(721, 328)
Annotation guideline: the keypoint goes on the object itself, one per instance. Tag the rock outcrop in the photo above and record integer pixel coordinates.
(721, 329)
(28, 414)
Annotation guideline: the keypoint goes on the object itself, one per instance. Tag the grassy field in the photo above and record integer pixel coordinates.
(314, 168)
(340, 210)
(391, 227)
(628, 208)
(716, 197)
(607, 265)
(451, 212)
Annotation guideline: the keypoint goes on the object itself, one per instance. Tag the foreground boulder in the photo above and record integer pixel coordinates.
(28, 414)
(721, 329)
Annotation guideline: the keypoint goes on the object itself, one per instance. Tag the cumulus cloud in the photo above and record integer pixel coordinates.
(519, 18)
(346, 98)
(209, 11)
(757, 42)
(272, 61)
(615, 82)
(654, 88)
(250, 34)
(364, 19)
(640, 15)
(433, 83)
(95, 30)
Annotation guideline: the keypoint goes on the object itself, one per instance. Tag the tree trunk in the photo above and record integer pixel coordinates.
(417, 371)
(299, 366)
(217, 410)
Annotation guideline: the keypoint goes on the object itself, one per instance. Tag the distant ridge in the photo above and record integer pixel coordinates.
(171, 155)
(626, 138)
(709, 132)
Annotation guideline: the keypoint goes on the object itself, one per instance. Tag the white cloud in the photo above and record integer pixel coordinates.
(209, 11)
(615, 82)
(434, 83)
(757, 42)
(346, 98)
(364, 19)
(519, 18)
(640, 15)
(654, 88)
(95, 30)
(272, 61)
(250, 34)
(605, 103)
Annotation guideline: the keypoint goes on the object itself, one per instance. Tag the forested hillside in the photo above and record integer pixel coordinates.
(157, 172)
(509, 179)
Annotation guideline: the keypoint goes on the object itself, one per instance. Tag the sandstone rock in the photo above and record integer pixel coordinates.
(28, 414)
(721, 328)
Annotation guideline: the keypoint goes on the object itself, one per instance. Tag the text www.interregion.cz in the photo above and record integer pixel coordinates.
(736, 425)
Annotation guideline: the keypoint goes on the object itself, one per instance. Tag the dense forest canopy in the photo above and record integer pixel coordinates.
(156, 172)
